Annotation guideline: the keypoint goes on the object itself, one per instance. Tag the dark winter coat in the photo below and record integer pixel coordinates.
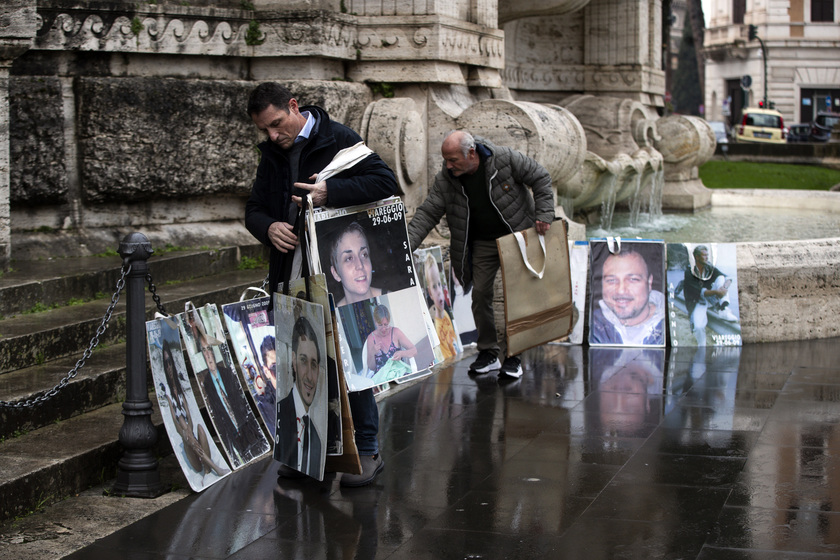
(368, 181)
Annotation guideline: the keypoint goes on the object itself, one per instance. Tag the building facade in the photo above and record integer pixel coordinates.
(801, 75)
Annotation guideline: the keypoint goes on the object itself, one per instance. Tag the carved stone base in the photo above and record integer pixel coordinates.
(685, 196)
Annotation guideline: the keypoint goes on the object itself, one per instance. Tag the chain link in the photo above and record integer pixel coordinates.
(264, 283)
(94, 342)
(155, 297)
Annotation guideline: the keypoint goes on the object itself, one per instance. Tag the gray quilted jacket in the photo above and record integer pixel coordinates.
(510, 174)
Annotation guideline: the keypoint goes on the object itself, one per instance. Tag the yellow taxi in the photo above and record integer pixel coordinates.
(761, 125)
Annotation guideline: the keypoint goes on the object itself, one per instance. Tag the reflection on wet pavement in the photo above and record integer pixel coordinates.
(709, 453)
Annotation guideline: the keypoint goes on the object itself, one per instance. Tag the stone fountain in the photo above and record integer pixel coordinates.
(124, 116)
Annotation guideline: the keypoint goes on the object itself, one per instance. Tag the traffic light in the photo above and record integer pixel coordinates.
(753, 32)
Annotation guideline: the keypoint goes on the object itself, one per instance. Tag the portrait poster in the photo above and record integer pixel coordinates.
(627, 286)
(462, 310)
(239, 430)
(300, 440)
(579, 271)
(386, 338)
(433, 283)
(626, 387)
(365, 255)
(363, 250)
(703, 294)
(197, 453)
(251, 329)
(318, 294)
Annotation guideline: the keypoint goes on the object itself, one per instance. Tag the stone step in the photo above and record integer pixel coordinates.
(38, 338)
(70, 442)
(64, 458)
(47, 283)
(100, 382)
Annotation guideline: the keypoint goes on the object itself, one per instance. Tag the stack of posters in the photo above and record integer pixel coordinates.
(251, 328)
(238, 428)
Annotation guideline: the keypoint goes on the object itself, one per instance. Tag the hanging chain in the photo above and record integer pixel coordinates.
(155, 297)
(115, 298)
(264, 283)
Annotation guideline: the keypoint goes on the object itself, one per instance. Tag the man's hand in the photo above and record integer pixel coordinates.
(281, 236)
(542, 227)
(317, 192)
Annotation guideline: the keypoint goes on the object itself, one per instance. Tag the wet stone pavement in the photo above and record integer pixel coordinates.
(716, 453)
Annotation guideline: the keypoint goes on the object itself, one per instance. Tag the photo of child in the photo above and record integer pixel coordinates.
(437, 297)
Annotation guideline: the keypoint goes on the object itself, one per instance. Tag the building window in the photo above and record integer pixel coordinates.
(822, 10)
(739, 7)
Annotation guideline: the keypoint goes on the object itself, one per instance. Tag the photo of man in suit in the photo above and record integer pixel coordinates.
(238, 428)
(298, 443)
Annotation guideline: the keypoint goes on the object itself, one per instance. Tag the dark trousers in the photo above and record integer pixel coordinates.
(365, 421)
(485, 265)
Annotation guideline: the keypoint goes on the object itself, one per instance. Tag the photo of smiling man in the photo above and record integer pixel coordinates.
(628, 300)
(300, 441)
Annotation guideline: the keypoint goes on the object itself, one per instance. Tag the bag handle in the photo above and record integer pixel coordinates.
(255, 289)
(520, 240)
(305, 267)
(614, 245)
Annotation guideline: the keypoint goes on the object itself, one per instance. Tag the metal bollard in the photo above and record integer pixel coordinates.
(137, 470)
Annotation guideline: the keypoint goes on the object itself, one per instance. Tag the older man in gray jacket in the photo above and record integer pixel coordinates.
(485, 191)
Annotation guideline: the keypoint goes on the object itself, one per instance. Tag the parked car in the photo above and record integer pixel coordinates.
(720, 130)
(799, 133)
(761, 125)
(822, 125)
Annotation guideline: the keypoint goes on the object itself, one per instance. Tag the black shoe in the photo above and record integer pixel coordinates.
(512, 367)
(371, 466)
(486, 361)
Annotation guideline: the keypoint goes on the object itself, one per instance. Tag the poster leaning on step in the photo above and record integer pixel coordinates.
(301, 437)
(703, 294)
(251, 328)
(197, 453)
(238, 428)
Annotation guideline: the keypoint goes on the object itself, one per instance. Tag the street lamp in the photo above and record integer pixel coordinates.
(752, 36)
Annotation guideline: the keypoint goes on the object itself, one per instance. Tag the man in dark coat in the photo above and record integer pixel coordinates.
(301, 142)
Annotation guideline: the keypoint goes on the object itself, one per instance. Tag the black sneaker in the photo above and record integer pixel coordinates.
(486, 361)
(512, 367)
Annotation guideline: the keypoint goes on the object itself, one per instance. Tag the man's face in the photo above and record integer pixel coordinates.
(701, 257)
(305, 363)
(353, 267)
(281, 125)
(209, 357)
(456, 163)
(626, 287)
(270, 366)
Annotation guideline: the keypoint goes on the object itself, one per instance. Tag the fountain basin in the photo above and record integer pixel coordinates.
(788, 289)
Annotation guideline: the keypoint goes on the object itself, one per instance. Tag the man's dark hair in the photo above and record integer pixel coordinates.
(303, 330)
(269, 93)
(266, 346)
